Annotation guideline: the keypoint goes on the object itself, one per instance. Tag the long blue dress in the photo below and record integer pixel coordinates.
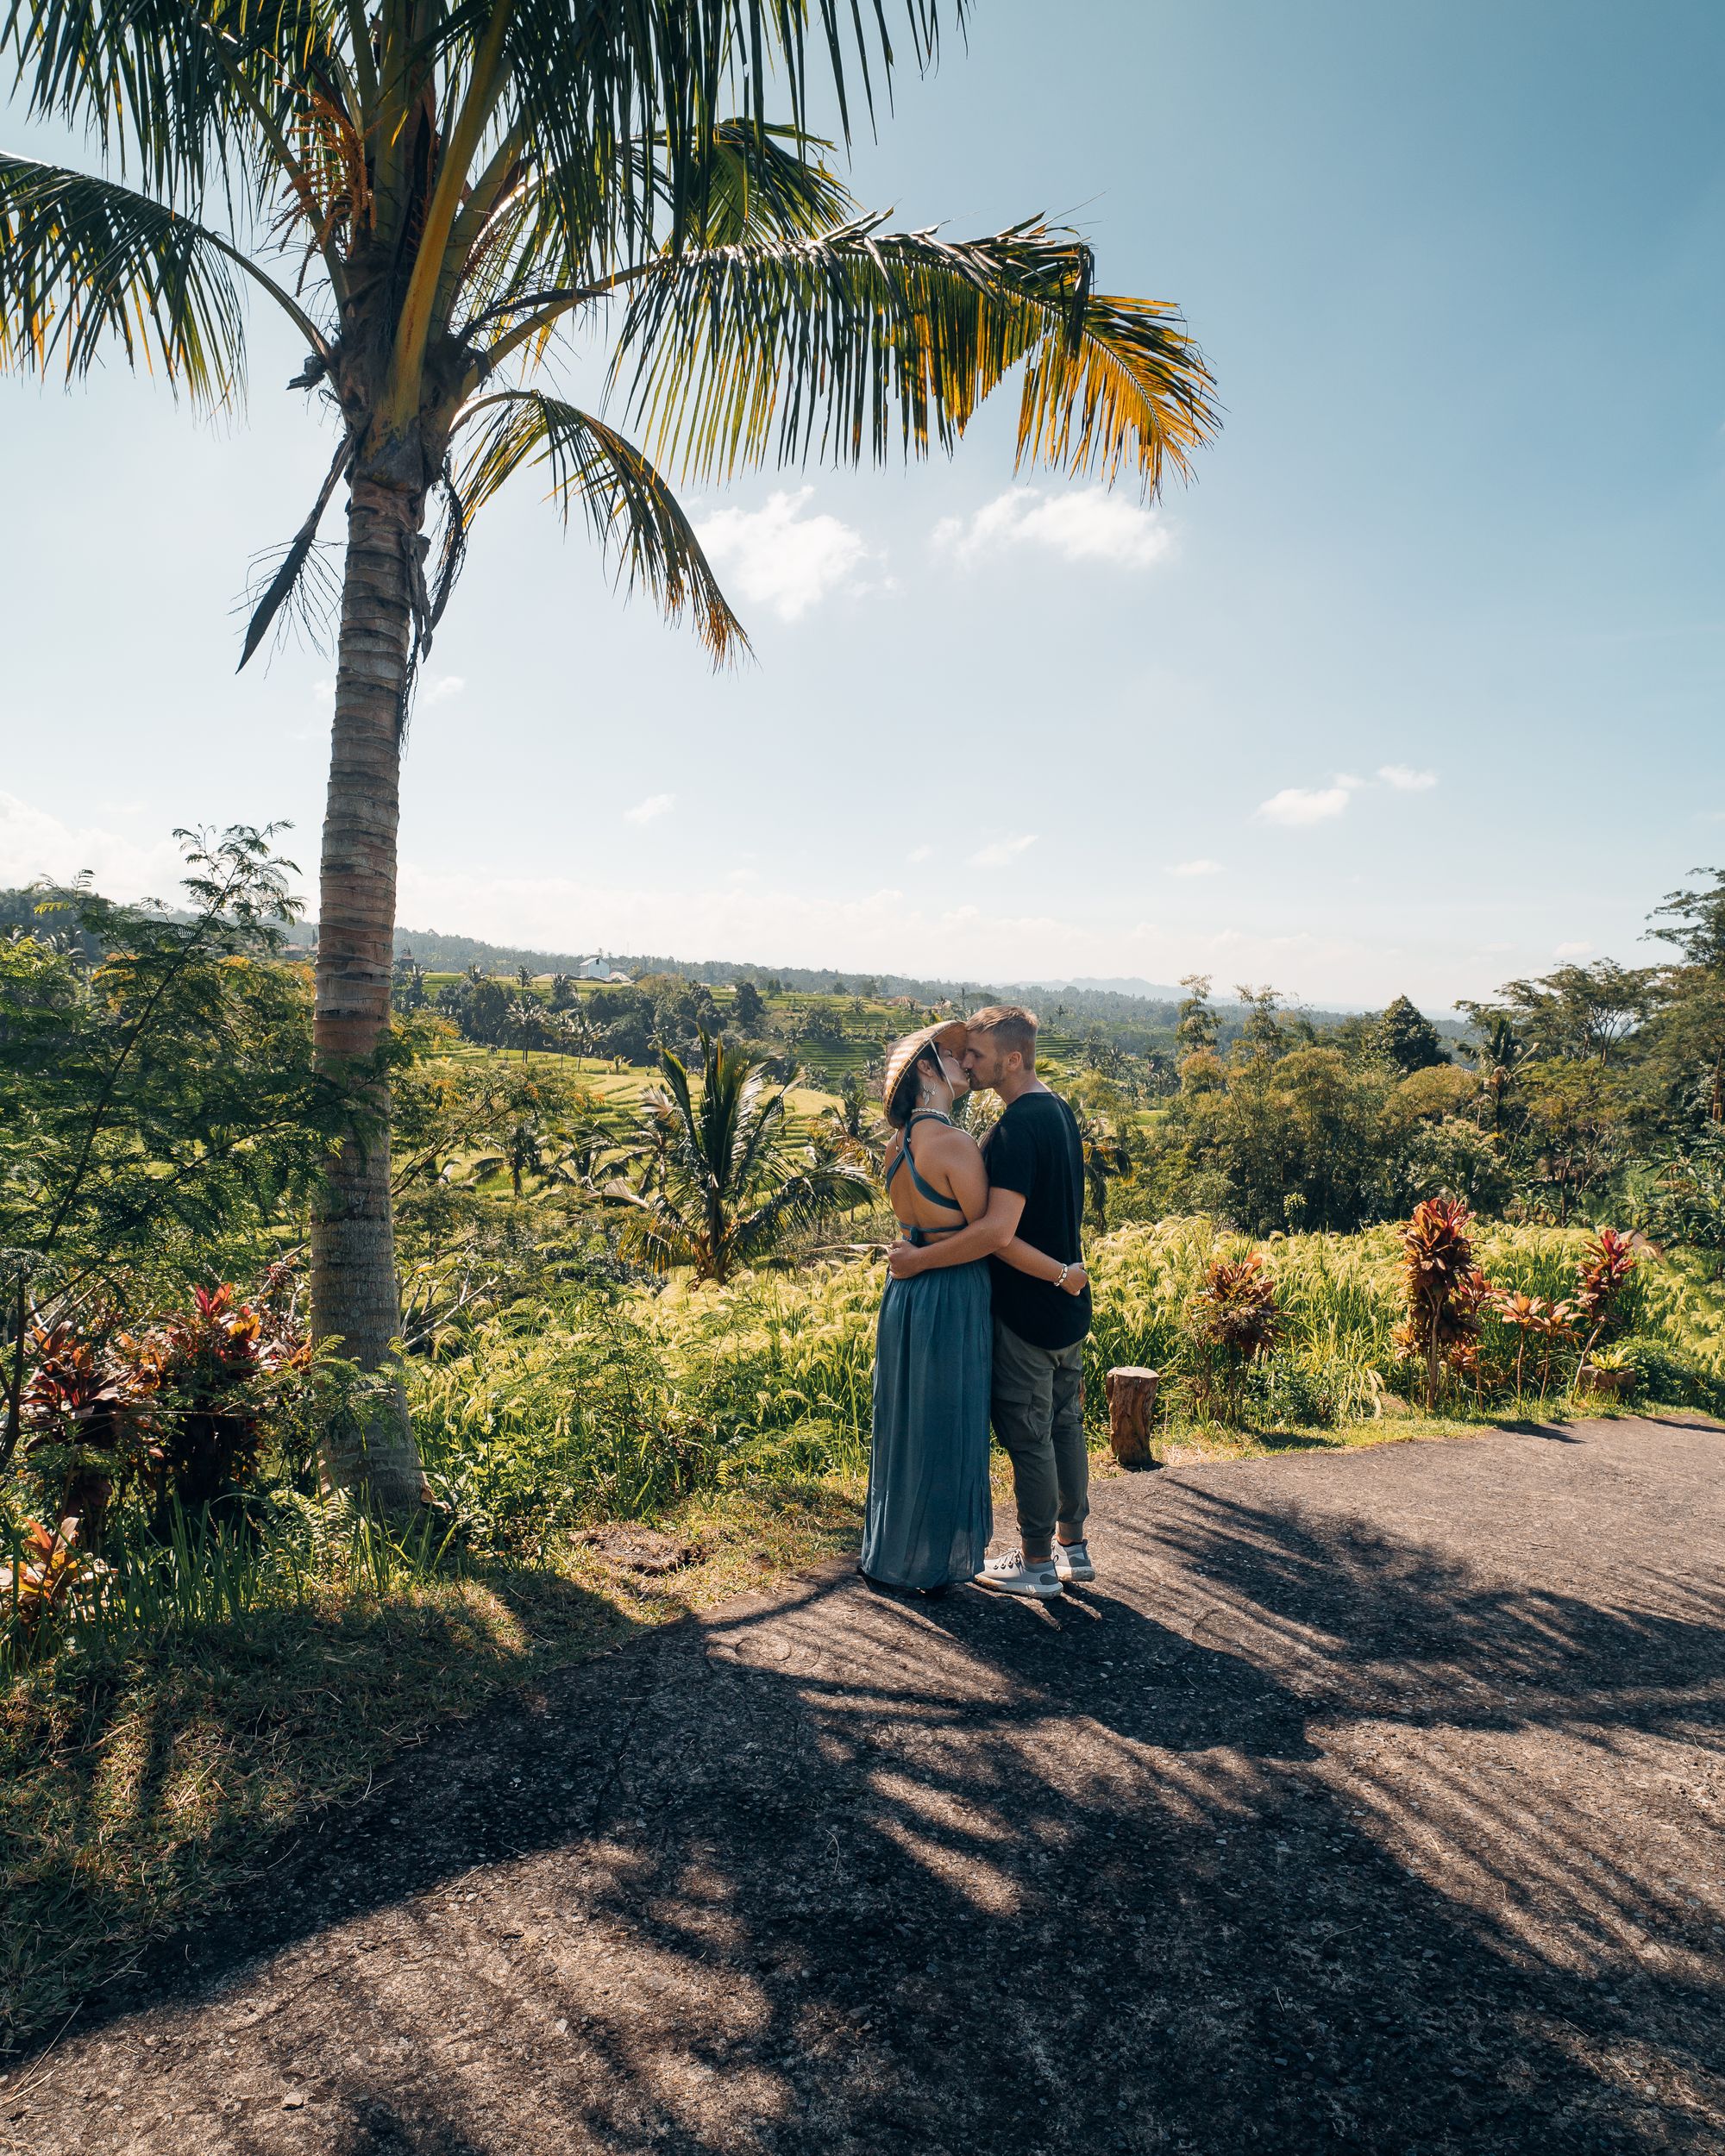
(930, 1511)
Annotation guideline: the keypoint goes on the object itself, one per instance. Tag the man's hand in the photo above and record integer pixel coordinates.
(906, 1260)
(1076, 1281)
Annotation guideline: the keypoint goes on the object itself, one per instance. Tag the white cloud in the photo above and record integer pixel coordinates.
(323, 691)
(1089, 525)
(919, 853)
(1297, 805)
(34, 843)
(1193, 869)
(1571, 950)
(780, 558)
(1002, 852)
(1405, 779)
(440, 690)
(656, 804)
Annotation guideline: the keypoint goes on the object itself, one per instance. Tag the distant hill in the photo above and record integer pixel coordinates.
(1121, 999)
(1141, 991)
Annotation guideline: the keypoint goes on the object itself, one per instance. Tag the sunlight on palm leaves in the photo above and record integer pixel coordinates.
(453, 187)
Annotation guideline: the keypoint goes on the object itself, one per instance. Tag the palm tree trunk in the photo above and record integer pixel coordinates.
(355, 1296)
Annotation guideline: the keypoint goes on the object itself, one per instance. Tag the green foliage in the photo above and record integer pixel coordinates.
(1407, 1037)
(159, 1111)
(727, 1174)
(1687, 1207)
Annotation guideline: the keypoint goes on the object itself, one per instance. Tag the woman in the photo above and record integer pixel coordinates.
(930, 1511)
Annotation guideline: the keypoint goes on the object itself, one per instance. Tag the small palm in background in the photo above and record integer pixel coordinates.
(729, 1175)
(1107, 1156)
(855, 1124)
(522, 1152)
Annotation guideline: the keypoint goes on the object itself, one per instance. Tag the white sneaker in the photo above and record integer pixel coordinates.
(1013, 1574)
(1072, 1561)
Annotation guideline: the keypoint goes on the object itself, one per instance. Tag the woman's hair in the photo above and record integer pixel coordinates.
(901, 1107)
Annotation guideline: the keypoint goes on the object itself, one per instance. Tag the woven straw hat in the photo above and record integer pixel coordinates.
(953, 1035)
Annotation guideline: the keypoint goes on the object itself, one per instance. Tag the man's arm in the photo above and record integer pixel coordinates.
(1025, 1257)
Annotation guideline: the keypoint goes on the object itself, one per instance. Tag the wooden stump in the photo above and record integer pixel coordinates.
(1131, 1401)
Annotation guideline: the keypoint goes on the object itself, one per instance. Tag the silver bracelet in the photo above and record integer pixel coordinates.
(1060, 1277)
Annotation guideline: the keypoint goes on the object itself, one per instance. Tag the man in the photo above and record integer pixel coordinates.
(1036, 1176)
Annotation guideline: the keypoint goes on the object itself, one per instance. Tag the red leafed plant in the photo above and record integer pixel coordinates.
(87, 1407)
(1535, 1318)
(1234, 1322)
(46, 1572)
(212, 1368)
(1601, 1278)
(180, 1408)
(1445, 1289)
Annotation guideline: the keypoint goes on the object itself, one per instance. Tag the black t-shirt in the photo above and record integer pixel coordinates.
(1034, 1149)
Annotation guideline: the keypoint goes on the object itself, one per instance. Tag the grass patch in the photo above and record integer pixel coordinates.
(142, 1779)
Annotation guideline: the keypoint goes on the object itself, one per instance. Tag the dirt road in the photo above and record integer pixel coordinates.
(1367, 1801)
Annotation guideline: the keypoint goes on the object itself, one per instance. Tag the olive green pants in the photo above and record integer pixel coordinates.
(1039, 1416)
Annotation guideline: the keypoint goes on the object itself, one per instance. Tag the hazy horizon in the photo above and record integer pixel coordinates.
(1415, 690)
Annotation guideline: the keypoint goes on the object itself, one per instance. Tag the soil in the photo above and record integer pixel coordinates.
(1365, 1801)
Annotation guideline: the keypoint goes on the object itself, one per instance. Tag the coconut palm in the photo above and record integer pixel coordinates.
(1106, 1155)
(728, 1173)
(524, 1023)
(438, 198)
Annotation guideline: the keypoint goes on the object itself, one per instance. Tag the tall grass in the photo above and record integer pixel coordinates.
(595, 1406)
(216, 1568)
(584, 1408)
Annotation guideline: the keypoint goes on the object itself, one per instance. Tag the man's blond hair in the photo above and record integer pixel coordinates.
(1013, 1027)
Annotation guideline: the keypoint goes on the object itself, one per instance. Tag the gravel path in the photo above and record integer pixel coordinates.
(1368, 1801)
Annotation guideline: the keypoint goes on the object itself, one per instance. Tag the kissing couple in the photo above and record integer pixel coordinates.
(984, 1319)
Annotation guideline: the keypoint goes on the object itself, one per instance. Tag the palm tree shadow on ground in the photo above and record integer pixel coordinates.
(1286, 1864)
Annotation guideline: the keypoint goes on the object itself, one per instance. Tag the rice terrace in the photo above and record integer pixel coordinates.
(989, 1410)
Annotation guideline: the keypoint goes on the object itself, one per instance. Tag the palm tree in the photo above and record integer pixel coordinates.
(525, 1024)
(1106, 1156)
(727, 1173)
(856, 1122)
(437, 196)
(575, 1031)
(522, 1152)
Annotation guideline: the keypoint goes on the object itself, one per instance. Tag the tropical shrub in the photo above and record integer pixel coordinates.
(1234, 1324)
(85, 1405)
(217, 1369)
(1534, 1320)
(1602, 1279)
(1445, 1289)
(44, 1575)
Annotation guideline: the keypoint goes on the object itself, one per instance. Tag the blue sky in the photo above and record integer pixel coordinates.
(1418, 687)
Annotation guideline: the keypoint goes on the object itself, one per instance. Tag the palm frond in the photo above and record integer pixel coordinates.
(192, 92)
(760, 183)
(655, 1232)
(629, 508)
(593, 79)
(839, 344)
(295, 571)
(84, 264)
(822, 1187)
(526, 257)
